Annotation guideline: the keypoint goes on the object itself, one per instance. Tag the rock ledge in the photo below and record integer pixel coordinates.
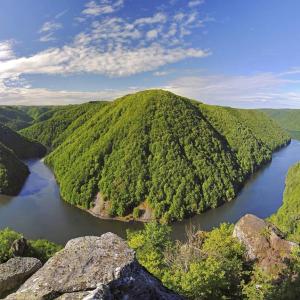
(93, 268)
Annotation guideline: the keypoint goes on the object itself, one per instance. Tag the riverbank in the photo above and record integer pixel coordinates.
(39, 212)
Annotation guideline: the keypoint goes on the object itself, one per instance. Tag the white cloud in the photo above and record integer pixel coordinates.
(250, 91)
(110, 46)
(260, 90)
(48, 29)
(160, 73)
(157, 18)
(50, 26)
(194, 3)
(6, 51)
(152, 34)
(40, 96)
(77, 59)
(93, 8)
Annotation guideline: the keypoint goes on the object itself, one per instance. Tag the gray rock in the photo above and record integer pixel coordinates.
(15, 271)
(104, 266)
(264, 242)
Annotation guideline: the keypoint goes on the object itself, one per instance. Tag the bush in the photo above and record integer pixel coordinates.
(7, 237)
(40, 249)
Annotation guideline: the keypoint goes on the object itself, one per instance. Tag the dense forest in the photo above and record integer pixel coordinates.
(18, 117)
(13, 172)
(287, 217)
(172, 154)
(13, 148)
(54, 125)
(289, 119)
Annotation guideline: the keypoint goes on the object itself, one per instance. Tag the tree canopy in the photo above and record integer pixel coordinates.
(177, 155)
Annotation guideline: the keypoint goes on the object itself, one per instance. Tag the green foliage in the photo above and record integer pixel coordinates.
(21, 146)
(181, 156)
(41, 249)
(14, 117)
(211, 265)
(136, 213)
(150, 245)
(289, 119)
(239, 126)
(263, 287)
(7, 237)
(287, 218)
(13, 172)
(56, 124)
(19, 117)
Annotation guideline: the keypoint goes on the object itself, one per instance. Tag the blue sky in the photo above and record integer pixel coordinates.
(238, 53)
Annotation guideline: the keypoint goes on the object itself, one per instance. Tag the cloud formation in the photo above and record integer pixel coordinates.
(48, 29)
(102, 7)
(110, 46)
(252, 91)
(6, 50)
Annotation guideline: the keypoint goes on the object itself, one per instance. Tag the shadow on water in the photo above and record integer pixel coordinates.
(39, 212)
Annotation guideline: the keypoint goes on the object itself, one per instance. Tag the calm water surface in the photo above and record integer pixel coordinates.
(39, 212)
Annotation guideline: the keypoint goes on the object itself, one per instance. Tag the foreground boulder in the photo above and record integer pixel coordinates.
(15, 271)
(93, 268)
(264, 243)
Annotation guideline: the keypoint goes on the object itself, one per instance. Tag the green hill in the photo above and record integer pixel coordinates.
(20, 145)
(19, 117)
(14, 117)
(13, 172)
(53, 126)
(287, 218)
(289, 119)
(155, 149)
(14, 147)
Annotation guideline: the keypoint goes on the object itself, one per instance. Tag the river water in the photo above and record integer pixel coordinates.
(39, 212)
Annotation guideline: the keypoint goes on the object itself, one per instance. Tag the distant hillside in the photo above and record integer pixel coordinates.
(155, 150)
(19, 117)
(13, 171)
(287, 218)
(289, 119)
(20, 145)
(14, 118)
(56, 124)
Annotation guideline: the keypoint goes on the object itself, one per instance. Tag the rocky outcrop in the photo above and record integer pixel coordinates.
(15, 271)
(93, 268)
(264, 243)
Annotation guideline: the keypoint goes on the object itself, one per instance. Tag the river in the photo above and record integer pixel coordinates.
(39, 212)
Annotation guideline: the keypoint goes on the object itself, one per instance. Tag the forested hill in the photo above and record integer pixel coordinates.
(289, 119)
(53, 126)
(287, 218)
(13, 171)
(20, 145)
(18, 117)
(155, 149)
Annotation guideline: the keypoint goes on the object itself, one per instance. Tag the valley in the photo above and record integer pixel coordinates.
(74, 144)
(118, 151)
